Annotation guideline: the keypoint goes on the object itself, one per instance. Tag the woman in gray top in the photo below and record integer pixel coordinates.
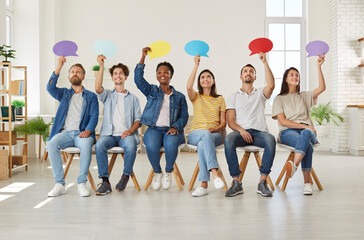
(292, 109)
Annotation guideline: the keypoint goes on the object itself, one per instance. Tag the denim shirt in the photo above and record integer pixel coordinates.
(178, 112)
(90, 107)
(131, 112)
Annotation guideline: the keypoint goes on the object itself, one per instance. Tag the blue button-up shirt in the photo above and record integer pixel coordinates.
(90, 107)
(131, 108)
(178, 112)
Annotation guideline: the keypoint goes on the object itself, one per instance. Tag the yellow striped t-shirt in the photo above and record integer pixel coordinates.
(206, 111)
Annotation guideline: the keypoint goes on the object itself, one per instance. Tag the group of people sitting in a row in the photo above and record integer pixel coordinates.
(166, 115)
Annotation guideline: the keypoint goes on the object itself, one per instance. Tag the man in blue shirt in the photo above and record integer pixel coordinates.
(120, 124)
(74, 125)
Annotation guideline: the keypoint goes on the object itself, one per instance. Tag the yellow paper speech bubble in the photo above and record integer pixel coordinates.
(159, 49)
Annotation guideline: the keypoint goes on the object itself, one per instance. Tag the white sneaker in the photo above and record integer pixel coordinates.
(167, 180)
(307, 189)
(57, 190)
(199, 192)
(83, 191)
(291, 168)
(218, 183)
(156, 183)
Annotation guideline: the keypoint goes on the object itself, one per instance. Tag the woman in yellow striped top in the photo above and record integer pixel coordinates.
(209, 119)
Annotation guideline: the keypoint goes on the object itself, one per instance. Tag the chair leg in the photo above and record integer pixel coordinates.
(259, 162)
(45, 155)
(177, 177)
(91, 180)
(290, 157)
(179, 174)
(313, 173)
(65, 156)
(112, 162)
(149, 180)
(68, 164)
(243, 163)
(194, 177)
(135, 181)
(132, 175)
(219, 172)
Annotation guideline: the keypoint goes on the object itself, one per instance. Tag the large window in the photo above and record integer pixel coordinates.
(9, 22)
(284, 25)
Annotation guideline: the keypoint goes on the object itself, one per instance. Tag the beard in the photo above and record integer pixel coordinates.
(248, 80)
(76, 81)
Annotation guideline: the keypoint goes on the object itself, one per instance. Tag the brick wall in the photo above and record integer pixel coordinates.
(346, 27)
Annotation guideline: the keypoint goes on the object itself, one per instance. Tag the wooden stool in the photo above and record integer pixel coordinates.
(197, 168)
(71, 151)
(176, 173)
(244, 161)
(115, 151)
(284, 170)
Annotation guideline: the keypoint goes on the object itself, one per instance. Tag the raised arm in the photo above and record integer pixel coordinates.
(269, 78)
(144, 54)
(322, 85)
(139, 80)
(99, 79)
(290, 124)
(191, 79)
(52, 88)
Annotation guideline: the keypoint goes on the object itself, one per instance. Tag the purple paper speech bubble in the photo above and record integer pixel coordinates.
(65, 48)
(316, 48)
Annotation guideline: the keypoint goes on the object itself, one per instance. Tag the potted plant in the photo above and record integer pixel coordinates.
(323, 114)
(96, 69)
(35, 126)
(7, 52)
(18, 104)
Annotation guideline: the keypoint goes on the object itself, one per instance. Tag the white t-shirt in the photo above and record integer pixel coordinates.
(249, 109)
(73, 117)
(118, 120)
(163, 119)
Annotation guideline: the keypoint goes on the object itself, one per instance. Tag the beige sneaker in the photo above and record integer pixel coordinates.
(83, 191)
(156, 183)
(57, 190)
(307, 189)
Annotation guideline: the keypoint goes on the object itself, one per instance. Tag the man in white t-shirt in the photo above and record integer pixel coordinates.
(245, 115)
(74, 125)
(119, 127)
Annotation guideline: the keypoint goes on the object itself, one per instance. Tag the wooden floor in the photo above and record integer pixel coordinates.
(337, 212)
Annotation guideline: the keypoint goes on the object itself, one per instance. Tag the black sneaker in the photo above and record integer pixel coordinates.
(235, 189)
(263, 189)
(104, 189)
(122, 183)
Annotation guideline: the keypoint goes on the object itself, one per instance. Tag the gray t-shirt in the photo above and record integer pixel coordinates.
(295, 106)
(73, 117)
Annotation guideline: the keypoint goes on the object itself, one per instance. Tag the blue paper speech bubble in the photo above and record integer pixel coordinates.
(197, 47)
(65, 48)
(104, 47)
(316, 48)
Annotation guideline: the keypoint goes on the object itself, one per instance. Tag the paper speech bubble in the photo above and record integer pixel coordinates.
(104, 47)
(159, 49)
(197, 47)
(316, 48)
(260, 45)
(65, 48)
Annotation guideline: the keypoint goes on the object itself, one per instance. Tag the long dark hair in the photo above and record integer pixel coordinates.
(284, 87)
(213, 87)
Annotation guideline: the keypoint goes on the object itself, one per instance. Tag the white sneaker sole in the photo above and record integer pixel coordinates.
(57, 195)
(264, 195)
(237, 193)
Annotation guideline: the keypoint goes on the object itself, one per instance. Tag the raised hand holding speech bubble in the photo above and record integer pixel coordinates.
(316, 48)
(260, 45)
(159, 49)
(65, 48)
(104, 47)
(197, 47)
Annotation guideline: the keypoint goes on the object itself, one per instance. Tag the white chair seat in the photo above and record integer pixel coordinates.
(74, 150)
(163, 150)
(284, 146)
(249, 148)
(116, 150)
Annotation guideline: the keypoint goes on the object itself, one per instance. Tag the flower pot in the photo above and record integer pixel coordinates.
(19, 111)
(323, 136)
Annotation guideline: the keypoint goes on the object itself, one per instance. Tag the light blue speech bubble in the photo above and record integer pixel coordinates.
(197, 47)
(106, 48)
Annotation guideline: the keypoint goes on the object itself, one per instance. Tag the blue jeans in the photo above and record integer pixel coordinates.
(302, 140)
(206, 143)
(154, 139)
(104, 143)
(260, 139)
(70, 139)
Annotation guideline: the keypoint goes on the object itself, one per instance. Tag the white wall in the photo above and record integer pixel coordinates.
(2, 22)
